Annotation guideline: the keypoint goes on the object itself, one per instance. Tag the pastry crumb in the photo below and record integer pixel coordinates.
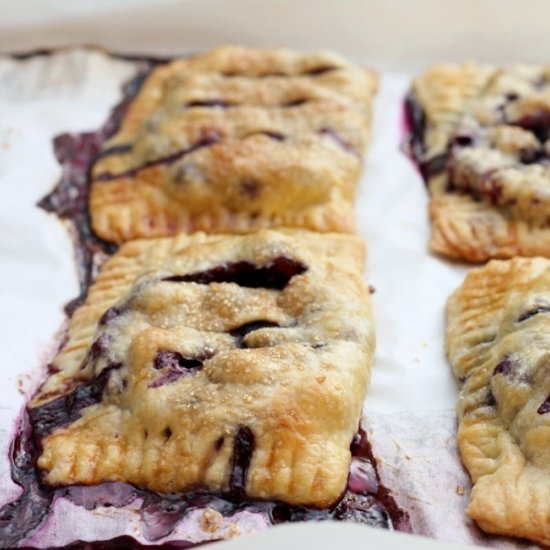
(459, 490)
(210, 521)
(233, 531)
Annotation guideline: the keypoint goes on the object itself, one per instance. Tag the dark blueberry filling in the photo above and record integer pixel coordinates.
(96, 350)
(166, 359)
(538, 123)
(249, 188)
(415, 119)
(490, 398)
(434, 166)
(337, 138)
(533, 312)
(124, 543)
(66, 408)
(321, 69)
(240, 332)
(168, 159)
(110, 314)
(243, 448)
(531, 156)
(463, 140)
(545, 407)
(507, 367)
(220, 103)
(275, 275)
(175, 366)
(398, 519)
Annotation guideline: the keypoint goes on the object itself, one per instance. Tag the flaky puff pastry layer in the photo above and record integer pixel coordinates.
(235, 140)
(202, 337)
(486, 157)
(498, 342)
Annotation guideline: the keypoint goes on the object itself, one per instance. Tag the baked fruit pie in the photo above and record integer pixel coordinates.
(216, 363)
(498, 342)
(481, 136)
(235, 140)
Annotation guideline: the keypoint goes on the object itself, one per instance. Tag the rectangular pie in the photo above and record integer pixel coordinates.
(498, 342)
(235, 140)
(217, 363)
(481, 135)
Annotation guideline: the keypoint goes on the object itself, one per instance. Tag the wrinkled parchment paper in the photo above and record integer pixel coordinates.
(410, 407)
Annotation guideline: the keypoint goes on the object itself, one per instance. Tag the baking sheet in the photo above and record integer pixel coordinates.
(410, 407)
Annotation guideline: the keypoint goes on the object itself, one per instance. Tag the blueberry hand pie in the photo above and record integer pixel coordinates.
(481, 136)
(498, 342)
(214, 362)
(235, 140)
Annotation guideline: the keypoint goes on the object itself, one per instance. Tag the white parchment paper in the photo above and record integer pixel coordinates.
(410, 407)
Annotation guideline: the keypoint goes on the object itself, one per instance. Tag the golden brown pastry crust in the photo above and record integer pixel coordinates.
(235, 140)
(498, 342)
(297, 381)
(487, 129)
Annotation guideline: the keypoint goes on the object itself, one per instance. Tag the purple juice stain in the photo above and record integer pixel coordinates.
(69, 199)
(506, 367)
(22, 516)
(274, 275)
(108, 494)
(365, 499)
